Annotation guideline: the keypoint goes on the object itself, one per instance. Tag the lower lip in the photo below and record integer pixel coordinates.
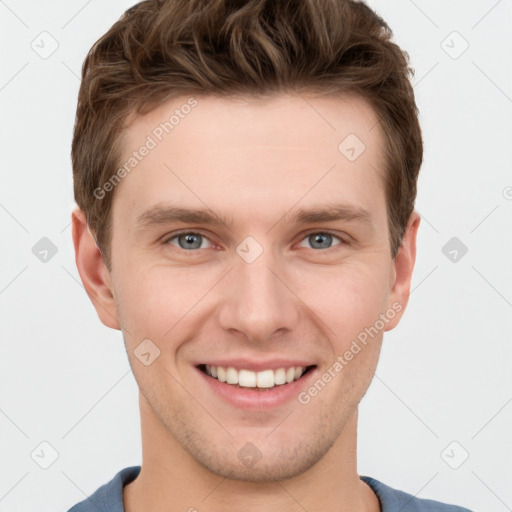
(258, 399)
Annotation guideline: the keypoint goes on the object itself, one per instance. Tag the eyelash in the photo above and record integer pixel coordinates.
(342, 243)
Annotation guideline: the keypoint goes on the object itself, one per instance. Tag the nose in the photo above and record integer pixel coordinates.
(259, 302)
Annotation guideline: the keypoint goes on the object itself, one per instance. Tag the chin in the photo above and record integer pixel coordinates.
(261, 457)
(282, 465)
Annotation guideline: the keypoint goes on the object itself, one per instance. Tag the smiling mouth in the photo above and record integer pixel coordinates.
(266, 379)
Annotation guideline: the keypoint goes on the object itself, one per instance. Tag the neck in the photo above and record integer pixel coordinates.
(169, 476)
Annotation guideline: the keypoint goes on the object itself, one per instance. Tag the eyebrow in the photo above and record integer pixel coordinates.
(158, 215)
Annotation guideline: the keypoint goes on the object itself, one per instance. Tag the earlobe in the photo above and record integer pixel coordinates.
(403, 266)
(93, 272)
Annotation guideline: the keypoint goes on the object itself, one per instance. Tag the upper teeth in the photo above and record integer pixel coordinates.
(250, 379)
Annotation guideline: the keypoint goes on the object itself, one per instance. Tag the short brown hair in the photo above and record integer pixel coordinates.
(160, 49)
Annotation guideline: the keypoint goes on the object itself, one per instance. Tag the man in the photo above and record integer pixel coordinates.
(245, 175)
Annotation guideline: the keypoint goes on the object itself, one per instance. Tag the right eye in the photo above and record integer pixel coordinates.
(187, 240)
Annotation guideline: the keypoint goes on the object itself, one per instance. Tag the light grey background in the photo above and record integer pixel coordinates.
(444, 374)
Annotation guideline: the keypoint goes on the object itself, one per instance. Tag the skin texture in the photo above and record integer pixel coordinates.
(252, 162)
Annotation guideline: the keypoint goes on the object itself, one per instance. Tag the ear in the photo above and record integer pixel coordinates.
(93, 272)
(403, 265)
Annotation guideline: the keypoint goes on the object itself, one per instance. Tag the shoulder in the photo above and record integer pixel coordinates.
(391, 498)
(109, 497)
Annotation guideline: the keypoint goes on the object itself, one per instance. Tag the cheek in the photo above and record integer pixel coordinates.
(154, 301)
(347, 298)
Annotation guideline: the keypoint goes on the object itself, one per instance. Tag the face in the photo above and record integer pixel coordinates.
(251, 244)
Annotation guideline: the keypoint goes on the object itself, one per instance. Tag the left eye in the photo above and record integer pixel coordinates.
(320, 240)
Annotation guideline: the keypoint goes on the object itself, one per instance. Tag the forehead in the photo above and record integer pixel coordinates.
(260, 151)
(289, 117)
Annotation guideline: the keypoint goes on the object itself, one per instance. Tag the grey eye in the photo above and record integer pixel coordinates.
(320, 240)
(189, 241)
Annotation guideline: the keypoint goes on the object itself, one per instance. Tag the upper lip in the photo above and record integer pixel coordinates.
(257, 366)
